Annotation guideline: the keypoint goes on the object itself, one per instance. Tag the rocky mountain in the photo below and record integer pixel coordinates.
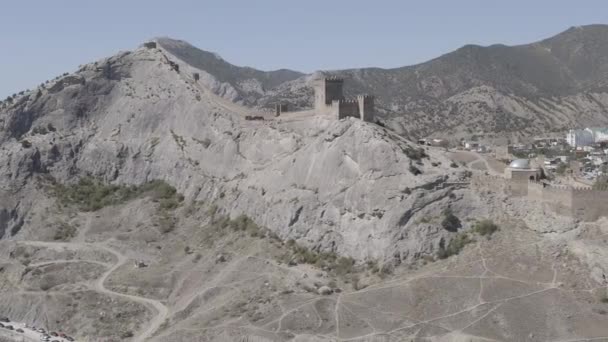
(551, 85)
(138, 204)
(241, 85)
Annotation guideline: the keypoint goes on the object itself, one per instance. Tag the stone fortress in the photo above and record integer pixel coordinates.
(329, 100)
(522, 179)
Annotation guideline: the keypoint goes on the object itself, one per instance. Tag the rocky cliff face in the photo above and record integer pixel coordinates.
(549, 85)
(343, 186)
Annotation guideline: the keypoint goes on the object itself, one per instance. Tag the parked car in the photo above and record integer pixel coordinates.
(53, 333)
(19, 330)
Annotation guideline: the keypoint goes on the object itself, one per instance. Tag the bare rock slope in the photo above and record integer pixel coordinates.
(342, 186)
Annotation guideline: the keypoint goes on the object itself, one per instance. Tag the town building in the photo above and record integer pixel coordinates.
(579, 137)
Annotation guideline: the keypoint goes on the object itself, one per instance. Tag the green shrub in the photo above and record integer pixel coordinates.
(453, 164)
(561, 168)
(26, 143)
(485, 227)
(64, 232)
(454, 247)
(344, 265)
(450, 222)
(415, 153)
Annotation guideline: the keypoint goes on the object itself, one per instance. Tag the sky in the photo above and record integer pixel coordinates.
(42, 39)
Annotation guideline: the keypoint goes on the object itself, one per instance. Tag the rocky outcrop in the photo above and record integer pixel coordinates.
(343, 186)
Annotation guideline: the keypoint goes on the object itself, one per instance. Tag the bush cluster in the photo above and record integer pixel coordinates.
(450, 222)
(454, 247)
(90, 194)
(415, 153)
(64, 232)
(485, 227)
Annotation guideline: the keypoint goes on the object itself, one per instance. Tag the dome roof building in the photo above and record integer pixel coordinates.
(520, 164)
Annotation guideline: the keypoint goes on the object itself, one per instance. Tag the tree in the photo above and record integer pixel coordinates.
(450, 222)
(561, 168)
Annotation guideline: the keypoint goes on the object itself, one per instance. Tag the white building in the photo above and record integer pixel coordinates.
(579, 137)
(599, 134)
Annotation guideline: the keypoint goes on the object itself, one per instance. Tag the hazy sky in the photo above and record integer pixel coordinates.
(41, 39)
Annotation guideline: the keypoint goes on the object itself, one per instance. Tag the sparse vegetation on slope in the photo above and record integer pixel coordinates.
(292, 253)
(455, 245)
(90, 194)
(485, 227)
(450, 222)
(64, 232)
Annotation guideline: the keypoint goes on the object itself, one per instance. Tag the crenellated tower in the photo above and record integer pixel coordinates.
(366, 107)
(329, 100)
(326, 91)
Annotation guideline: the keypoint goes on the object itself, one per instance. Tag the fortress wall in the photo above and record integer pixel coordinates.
(559, 199)
(582, 203)
(535, 190)
(481, 182)
(519, 181)
(589, 205)
(348, 108)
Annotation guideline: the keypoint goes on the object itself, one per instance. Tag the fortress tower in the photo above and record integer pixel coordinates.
(326, 91)
(329, 100)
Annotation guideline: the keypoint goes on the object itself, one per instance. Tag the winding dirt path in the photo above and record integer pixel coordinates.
(162, 311)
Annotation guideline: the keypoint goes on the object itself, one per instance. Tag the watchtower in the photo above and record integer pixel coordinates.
(366, 107)
(328, 90)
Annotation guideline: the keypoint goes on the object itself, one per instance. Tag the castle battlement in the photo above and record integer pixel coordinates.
(588, 190)
(577, 202)
(348, 101)
(329, 100)
(488, 177)
(365, 96)
(555, 188)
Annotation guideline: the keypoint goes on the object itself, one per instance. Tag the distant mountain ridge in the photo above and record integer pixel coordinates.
(550, 85)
